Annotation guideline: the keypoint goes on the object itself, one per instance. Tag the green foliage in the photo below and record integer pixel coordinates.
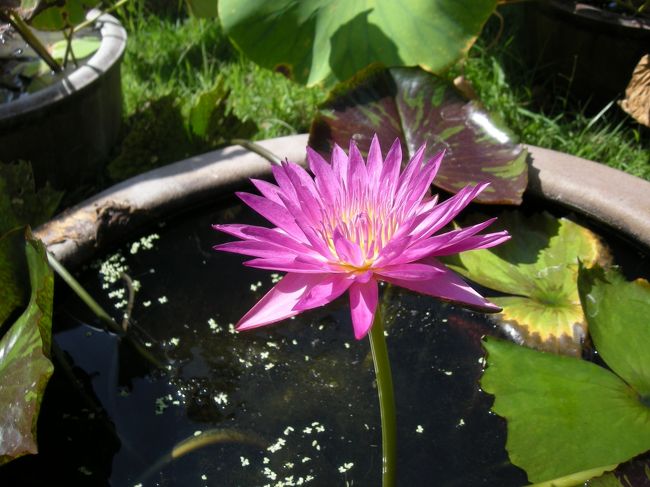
(324, 43)
(25, 367)
(571, 419)
(538, 268)
(618, 313)
(20, 202)
(566, 417)
(61, 14)
(155, 136)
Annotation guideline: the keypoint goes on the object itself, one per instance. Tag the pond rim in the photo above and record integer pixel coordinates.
(608, 196)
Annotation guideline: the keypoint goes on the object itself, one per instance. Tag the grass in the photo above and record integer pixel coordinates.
(175, 58)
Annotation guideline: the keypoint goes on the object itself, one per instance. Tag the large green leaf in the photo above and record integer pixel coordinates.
(618, 313)
(24, 364)
(60, 14)
(325, 41)
(539, 266)
(419, 108)
(203, 8)
(567, 418)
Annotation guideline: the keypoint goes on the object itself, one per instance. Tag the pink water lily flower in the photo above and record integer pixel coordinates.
(350, 226)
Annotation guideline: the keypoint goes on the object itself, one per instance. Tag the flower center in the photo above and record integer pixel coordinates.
(365, 226)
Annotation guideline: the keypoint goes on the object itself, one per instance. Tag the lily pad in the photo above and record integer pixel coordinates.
(418, 108)
(618, 313)
(316, 42)
(539, 268)
(81, 47)
(25, 367)
(568, 419)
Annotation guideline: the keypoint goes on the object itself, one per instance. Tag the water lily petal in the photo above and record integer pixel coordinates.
(363, 303)
(410, 272)
(448, 286)
(324, 292)
(375, 162)
(273, 212)
(255, 249)
(326, 184)
(269, 191)
(279, 303)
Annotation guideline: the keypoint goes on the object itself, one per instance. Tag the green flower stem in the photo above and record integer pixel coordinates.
(386, 399)
(258, 149)
(28, 36)
(99, 311)
(90, 22)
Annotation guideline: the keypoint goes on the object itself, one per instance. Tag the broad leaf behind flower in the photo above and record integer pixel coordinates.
(419, 108)
(316, 42)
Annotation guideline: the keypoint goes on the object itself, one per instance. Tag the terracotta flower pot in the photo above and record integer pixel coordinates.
(68, 129)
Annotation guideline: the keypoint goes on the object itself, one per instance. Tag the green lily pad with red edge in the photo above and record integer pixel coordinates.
(538, 268)
(25, 367)
(418, 108)
(316, 42)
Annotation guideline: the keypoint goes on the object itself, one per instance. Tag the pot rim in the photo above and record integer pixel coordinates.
(596, 14)
(111, 49)
(592, 189)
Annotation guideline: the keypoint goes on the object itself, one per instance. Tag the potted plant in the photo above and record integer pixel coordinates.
(67, 128)
(587, 49)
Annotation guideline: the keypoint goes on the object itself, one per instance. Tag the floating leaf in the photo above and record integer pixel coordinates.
(618, 313)
(419, 108)
(568, 419)
(81, 47)
(24, 364)
(539, 266)
(324, 42)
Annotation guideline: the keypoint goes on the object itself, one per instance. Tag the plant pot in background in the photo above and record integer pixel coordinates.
(583, 51)
(68, 129)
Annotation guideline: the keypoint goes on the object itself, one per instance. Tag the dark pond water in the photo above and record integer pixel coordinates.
(290, 404)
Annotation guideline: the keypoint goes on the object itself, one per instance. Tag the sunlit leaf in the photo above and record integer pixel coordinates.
(203, 8)
(618, 313)
(566, 417)
(324, 42)
(420, 108)
(25, 367)
(539, 267)
(61, 14)
(81, 47)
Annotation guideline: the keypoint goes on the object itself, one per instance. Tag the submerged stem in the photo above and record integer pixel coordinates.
(99, 311)
(386, 399)
(28, 36)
